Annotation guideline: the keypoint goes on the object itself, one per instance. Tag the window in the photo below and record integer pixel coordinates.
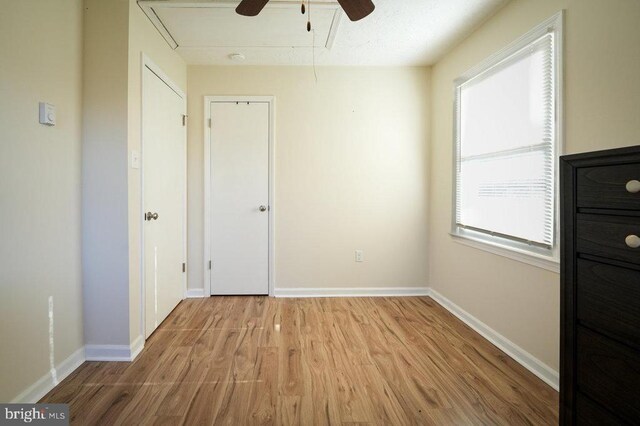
(507, 137)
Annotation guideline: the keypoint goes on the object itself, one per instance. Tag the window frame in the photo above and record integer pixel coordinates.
(546, 258)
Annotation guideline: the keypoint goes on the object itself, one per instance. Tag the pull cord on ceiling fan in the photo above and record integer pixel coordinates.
(355, 9)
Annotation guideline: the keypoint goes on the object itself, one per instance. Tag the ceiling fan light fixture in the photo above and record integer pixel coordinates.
(355, 9)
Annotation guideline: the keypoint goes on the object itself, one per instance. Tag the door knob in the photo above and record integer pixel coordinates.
(263, 208)
(150, 216)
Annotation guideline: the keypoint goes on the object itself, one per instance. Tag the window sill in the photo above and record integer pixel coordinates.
(540, 261)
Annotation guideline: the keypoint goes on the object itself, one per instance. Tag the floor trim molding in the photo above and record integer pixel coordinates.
(351, 292)
(195, 293)
(136, 347)
(42, 386)
(522, 357)
(124, 353)
(129, 352)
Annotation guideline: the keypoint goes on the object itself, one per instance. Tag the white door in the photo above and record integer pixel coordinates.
(239, 198)
(164, 154)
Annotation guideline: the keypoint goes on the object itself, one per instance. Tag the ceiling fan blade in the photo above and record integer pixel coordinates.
(357, 9)
(251, 7)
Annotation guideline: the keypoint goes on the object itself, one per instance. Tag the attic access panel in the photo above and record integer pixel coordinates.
(216, 24)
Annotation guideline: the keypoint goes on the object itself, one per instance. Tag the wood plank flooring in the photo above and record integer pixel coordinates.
(260, 360)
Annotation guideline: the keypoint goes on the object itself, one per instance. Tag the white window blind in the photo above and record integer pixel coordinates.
(506, 146)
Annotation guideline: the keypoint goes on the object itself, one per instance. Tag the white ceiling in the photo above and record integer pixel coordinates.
(398, 32)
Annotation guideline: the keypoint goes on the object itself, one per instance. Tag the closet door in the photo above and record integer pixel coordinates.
(164, 155)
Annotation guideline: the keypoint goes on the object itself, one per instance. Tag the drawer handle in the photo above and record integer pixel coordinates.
(632, 241)
(633, 186)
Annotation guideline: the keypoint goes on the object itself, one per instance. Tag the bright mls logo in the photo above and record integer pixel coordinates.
(37, 414)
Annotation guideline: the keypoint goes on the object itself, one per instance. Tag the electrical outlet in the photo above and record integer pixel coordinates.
(359, 256)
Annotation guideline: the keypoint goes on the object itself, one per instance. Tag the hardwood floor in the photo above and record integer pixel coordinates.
(259, 360)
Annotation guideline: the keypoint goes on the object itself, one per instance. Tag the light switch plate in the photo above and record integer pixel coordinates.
(47, 114)
(135, 159)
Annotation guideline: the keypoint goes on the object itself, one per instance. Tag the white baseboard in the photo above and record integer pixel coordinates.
(128, 353)
(40, 388)
(125, 353)
(351, 292)
(522, 357)
(195, 293)
(136, 347)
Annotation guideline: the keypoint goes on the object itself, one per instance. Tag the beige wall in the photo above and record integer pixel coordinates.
(111, 198)
(104, 173)
(602, 101)
(40, 177)
(351, 171)
(143, 38)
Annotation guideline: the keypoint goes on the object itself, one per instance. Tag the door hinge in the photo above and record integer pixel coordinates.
(184, 119)
(184, 267)
(209, 264)
(209, 123)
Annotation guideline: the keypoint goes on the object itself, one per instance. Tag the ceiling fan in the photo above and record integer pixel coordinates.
(355, 9)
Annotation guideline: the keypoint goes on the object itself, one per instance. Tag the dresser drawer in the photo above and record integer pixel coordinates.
(606, 236)
(609, 373)
(606, 187)
(588, 413)
(608, 300)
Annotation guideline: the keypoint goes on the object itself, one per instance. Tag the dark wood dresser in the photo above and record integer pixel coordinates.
(600, 288)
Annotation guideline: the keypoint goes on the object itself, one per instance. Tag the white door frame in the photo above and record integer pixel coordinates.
(145, 61)
(207, 183)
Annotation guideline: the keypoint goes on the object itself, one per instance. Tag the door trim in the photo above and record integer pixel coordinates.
(208, 100)
(146, 62)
